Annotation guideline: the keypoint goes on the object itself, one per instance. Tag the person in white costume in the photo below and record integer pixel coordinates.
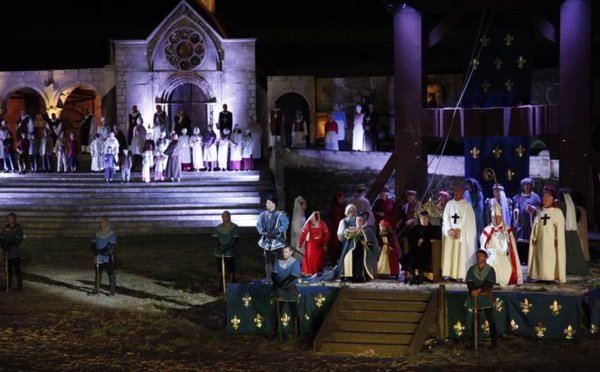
(547, 253)
(459, 237)
(498, 239)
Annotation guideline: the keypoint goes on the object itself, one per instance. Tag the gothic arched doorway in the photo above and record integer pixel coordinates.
(191, 98)
(26, 99)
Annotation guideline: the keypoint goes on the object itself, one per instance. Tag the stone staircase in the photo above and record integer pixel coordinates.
(380, 322)
(71, 204)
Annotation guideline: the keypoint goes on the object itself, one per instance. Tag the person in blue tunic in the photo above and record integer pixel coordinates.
(480, 281)
(103, 245)
(226, 237)
(272, 226)
(10, 241)
(285, 275)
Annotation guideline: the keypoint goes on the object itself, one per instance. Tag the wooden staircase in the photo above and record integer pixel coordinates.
(71, 204)
(379, 322)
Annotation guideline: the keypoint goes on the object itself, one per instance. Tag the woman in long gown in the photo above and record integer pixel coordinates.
(358, 131)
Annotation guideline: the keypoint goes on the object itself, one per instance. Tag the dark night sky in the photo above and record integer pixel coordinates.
(321, 37)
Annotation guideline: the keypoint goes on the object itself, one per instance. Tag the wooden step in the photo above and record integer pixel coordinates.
(371, 321)
(372, 326)
(363, 348)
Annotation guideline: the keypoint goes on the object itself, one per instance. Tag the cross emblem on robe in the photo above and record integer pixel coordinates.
(545, 218)
(456, 217)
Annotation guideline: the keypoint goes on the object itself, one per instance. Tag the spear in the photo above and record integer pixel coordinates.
(223, 272)
(476, 325)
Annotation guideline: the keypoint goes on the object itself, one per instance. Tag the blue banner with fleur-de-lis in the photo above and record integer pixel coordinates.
(508, 157)
(251, 309)
(502, 70)
(541, 316)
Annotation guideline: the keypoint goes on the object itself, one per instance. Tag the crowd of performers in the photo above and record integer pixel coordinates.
(149, 146)
(383, 240)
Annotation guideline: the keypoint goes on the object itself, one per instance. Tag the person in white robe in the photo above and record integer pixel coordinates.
(160, 158)
(499, 241)
(235, 148)
(209, 140)
(298, 221)
(97, 151)
(547, 253)
(358, 131)
(186, 151)
(248, 151)
(223, 152)
(459, 237)
(196, 146)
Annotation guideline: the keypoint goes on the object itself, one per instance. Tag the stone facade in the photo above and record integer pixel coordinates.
(184, 50)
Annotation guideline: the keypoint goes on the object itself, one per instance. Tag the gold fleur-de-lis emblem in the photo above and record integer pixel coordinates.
(285, 319)
(508, 85)
(484, 41)
(526, 306)
(594, 329)
(320, 299)
(498, 305)
(509, 174)
(475, 63)
(235, 322)
(498, 63)
(485, 327)
(555, 308)
(569, 332)
(474, 152)
(459, 328)
(246, 300)
(485, 86)
(520, 151)
(258, 320)
(307, 317)
(497, 152)
(508, 40)
(513, 325)
(521, 62)
(540, 330)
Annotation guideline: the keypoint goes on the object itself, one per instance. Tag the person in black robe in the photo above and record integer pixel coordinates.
(182, 121)
(419, 242)
(173, 170)
(225, 120)
(135, 118)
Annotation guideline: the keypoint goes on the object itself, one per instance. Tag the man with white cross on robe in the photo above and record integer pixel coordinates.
(459, 237)
(547, 253)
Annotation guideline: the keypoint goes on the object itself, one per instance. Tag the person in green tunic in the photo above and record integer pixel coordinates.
(480, 281)
(226, 237)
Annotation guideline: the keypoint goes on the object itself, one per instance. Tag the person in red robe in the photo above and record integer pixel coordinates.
(338, 205)
(389, 256)
(315, 234)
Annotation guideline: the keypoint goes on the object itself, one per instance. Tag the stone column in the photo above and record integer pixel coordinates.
(410, 160)
(575, 99)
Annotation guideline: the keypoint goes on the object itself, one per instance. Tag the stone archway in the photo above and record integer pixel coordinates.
(23, 98)
(190, 93)
(290, 103)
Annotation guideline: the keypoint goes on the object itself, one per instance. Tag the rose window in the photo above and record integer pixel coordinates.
(185, 49)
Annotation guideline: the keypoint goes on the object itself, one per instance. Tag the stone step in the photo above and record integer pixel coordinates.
(134, 210)
(85, 231)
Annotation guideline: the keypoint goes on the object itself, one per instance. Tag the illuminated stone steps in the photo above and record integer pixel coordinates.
(71, 204)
